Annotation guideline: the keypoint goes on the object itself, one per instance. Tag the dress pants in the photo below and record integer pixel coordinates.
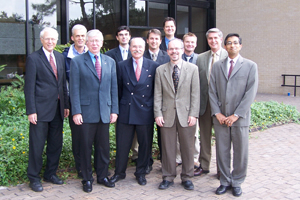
(38, 134)
(96, 134)
(205, 123)
(169, 145)
(124, 137)
(238, 136)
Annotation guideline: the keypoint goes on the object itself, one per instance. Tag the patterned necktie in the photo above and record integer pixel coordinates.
(231, 68)
(154, 57)
(52, 63)
(98, 67)
(175, 77)
(137, 70)
(125, 54)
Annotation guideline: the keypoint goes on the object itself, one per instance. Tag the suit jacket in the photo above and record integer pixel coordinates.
(41, 87)
(203, 65)
(194, 58)
(162, 56)
(185, 103)
(136, 97)
(236, 94)
(90, 97)
(115, 54)
(162, 45)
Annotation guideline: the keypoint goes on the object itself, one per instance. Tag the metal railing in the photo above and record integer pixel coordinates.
(295, 82)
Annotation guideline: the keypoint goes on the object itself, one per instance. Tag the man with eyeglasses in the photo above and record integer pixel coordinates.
(232, 89)
(94, 101)
(47, 104)
(176, 108)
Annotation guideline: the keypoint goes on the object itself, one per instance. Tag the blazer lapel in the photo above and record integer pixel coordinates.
(183, 73)
(89, 63)
(237, 66)
(104, 66)
(144, 72)
(45, 61)
(118, 54)
(168, 76)
(130, 71)
(224, 68)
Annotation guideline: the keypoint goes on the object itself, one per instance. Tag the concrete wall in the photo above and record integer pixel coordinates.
(270, 30)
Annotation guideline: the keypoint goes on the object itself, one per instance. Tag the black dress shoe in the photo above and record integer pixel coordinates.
(188, 185)
(237, 191)
(148, 169)
(115, 178)
(165, 184)
(87, 186)
(222, 189)
(106, 182)
(141, 180)
(36, 186)
(200, 171)
(55, 180)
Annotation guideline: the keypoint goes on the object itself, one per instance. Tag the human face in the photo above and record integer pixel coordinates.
(154, 41)
(123, 37)
(233, 47)
(169, 29)
(94, 44)
(79, 38)
(214, 41)
(49, 40)
(137, 48)
(175, 51)
(190, 43)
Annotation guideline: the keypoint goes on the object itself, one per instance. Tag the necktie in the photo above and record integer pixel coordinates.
(137, 70)
(175, 77)
(98, 67)
(154, 57)
(231, 68)
(53, 66)
(125, 54)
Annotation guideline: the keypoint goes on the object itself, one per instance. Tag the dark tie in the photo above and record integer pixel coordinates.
(231, 68)
(98, 67)
(175, 77)
(52, 63)
(137, 71)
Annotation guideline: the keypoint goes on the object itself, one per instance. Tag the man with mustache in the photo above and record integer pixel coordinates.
(135, 91)
(176, 108)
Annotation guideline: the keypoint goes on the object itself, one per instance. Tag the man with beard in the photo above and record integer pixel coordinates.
(176, 108)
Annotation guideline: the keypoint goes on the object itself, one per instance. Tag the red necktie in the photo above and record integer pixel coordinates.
(137, 71)
(98, 67)
(52, 63)
(231, 68)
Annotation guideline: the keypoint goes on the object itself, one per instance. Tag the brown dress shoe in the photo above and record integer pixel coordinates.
(200, 171)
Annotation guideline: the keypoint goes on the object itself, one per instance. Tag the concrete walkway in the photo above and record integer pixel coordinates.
(273, 173)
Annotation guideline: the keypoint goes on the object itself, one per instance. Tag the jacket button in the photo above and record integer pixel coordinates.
(131, 93)
(129, 103)
(127, 83)
(142, 106)
(147, 85)
(143, 95)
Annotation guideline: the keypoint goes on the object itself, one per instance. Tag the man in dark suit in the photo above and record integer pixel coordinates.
(46, 106)
(121, 52)
(176, 108)
(161, 57)
(135, 88)
(169, 29)
(94, 100)
(204, 62)
(76, 49)
(232, 89)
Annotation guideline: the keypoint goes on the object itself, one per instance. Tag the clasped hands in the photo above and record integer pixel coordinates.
(160, 121)
(226, 120)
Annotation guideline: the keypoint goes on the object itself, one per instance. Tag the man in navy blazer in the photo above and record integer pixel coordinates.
(46, 106)
(136, 90)
(94, 100)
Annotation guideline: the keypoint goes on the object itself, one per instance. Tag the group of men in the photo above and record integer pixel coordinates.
(168, 84)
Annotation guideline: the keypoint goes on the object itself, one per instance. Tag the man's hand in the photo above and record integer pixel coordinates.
(32, 118)
(230, 120)
(66, 113)
(221, 118)
(78, 119)
(159, 121)
(192, 121)
(113, 117)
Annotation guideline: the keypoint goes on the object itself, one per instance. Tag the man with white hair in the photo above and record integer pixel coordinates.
(94, 101)
(47, 104)
(136, 89)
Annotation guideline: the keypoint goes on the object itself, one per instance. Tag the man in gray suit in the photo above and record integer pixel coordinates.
(94, 100)
(176, 108)
(204, 62)
(232, 89)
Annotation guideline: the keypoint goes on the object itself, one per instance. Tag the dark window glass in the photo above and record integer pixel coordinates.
(137, 13)
(199, 28)
(182, 21)
(157, 13)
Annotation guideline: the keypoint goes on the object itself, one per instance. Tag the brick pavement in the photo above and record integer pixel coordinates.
(273, 173)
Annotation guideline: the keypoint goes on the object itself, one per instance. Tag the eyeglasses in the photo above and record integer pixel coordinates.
(94, 41)
(50, 39)
(174, 49)
(232, 43)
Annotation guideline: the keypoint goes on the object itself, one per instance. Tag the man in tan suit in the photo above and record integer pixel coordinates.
(176, 108)
(204, 62)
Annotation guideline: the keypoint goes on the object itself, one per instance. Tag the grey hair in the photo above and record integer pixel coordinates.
(51, 30)
(214, 30)
(176, 39)
(144, 43)
(94, 32)
(78, 27)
